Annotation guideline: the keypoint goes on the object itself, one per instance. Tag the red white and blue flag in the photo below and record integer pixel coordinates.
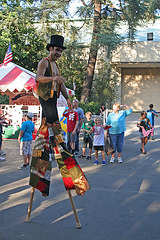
(74, 86)
(8, 57)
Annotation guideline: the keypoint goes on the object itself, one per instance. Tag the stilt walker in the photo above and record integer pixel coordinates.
(49, 84)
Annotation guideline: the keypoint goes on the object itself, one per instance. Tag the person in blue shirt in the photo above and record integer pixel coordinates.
(116, 120)
(150, 115)
(25, 139)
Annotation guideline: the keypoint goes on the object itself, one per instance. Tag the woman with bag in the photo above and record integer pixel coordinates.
(118, 126)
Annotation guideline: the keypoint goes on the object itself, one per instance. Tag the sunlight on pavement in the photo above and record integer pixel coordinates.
(154, 207)
(14, 185)
(15, 199)
(144, 186)
(66, 215)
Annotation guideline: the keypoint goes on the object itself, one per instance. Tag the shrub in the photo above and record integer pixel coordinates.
(93, 107)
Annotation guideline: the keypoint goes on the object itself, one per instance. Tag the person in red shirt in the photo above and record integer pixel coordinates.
(72, 124)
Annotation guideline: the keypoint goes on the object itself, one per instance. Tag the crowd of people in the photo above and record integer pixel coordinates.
(115, 126)
(49, 84)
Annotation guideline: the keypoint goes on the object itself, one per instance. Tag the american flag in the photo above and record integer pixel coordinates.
(74, 86)
(8, 57)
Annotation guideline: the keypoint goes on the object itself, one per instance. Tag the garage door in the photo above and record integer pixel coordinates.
(140, 87)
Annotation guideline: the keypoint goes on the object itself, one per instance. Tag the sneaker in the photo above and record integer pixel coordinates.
(120, 160)
(112, 160)
(23, 167)
(88, 158)
(2, 153)
(2, 159)
(103, 162)
(81, 156)
(96, 162)
(153, 138)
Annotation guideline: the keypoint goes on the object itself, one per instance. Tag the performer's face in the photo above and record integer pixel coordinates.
(55, 53)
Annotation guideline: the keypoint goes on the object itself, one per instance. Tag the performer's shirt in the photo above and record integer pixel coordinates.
(72, 117)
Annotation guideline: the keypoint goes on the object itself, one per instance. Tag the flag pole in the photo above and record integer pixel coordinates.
(30, 205)
(74, 209)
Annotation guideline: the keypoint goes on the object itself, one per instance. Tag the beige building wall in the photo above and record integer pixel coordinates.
(139, 52)
(139, 65)
(140, 87)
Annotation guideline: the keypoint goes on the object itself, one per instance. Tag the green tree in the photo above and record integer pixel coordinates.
(28, 25)
(25, 41)
(73, 66)
(134, 12)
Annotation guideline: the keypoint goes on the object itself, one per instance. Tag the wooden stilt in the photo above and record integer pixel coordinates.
(74, 209)
(30, 205)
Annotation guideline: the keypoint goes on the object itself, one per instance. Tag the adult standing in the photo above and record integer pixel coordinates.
(81, 119)
(25, 139)
(102, 109)
(118, 126)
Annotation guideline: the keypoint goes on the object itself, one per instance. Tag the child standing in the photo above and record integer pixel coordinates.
(25, 139)
(143, 122)
(72, 124)
(88, 137)
(151, 114)
(98, 141)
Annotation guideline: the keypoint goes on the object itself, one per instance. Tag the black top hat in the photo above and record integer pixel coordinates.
(56, 41)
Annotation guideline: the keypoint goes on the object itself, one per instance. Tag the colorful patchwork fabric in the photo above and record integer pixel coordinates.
(72, 174)
(40, 173)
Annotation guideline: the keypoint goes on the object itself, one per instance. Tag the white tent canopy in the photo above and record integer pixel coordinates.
(14, 77)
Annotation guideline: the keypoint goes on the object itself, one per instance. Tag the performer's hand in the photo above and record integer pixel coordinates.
(59, 79)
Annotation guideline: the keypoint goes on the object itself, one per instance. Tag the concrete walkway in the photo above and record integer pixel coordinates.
(122, 204)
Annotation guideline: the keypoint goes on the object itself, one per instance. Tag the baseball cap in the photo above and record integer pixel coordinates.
(30, 115)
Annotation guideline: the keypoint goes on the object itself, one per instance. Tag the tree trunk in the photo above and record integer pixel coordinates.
(87, 85)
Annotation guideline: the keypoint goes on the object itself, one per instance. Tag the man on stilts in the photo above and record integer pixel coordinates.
(49, 85)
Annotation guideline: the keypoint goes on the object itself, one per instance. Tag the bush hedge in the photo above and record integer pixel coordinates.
(92, 107)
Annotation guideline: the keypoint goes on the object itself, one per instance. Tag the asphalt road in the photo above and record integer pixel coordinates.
(122, 204)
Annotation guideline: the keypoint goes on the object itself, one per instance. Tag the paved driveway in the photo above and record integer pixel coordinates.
(123, 203)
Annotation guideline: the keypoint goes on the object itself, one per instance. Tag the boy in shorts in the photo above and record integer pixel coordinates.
(25, 139)
(88, 137)
(72, 124)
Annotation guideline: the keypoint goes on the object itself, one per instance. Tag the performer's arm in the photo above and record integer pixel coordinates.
(64, 91)
(65, 94)
(42, 66)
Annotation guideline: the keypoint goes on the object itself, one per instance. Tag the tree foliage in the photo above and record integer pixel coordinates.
(29, 24)
(107, 16)
(72, 64)
(27, 27)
